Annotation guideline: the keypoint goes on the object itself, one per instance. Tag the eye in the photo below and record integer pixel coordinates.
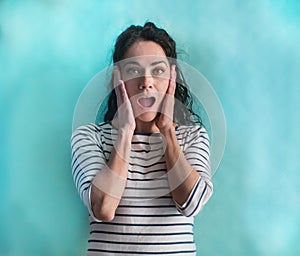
(133, 71)
(158, 71)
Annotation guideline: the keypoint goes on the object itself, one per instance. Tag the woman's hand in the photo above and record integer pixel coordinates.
(164, 121)
(125, 116)
(109, 183)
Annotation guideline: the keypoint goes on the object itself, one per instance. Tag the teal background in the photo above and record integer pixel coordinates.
(248, 50)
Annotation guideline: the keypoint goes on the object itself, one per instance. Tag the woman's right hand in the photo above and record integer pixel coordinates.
(125, 116)
(109, 184)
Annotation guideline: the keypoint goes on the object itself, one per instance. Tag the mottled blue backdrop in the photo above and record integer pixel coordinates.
(248, 50)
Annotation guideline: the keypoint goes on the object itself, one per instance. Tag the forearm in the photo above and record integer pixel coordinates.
(181, 175)
(109, 184)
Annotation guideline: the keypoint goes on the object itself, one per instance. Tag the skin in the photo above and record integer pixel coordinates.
(142, 76)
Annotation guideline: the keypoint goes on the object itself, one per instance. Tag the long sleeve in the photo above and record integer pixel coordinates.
(87, 160)
(196, 151)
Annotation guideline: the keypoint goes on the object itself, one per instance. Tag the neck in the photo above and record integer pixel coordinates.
(141, 126)
(146, 127)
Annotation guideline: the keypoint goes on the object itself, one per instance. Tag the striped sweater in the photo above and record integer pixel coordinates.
(147, 221)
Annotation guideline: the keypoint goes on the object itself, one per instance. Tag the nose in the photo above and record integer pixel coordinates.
(146, 82)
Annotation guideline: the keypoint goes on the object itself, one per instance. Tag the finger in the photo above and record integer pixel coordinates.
(168, 106)
(123, 92)
(172, 81)
(168, 103)
(117, 86)
(116, 77)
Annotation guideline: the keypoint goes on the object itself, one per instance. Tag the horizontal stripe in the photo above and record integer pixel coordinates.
(145, 143)
(83, 167)
(141, 243)
(152, 179)
(142, 225)
(140, 234)
(146, 206)
(148, 172)
(148, 166)
(82, 153)
(142, 252)
(138, 198)
(141, 188)
(152, 150)
(145, 158)
(148, 215)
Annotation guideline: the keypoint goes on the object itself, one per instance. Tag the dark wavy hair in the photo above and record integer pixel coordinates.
(149, 32)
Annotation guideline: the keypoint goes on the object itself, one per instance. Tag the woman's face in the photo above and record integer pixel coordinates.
(146, 73)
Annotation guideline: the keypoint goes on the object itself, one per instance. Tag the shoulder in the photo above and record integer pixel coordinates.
(91, 130)
(193, 138)
(191, 131)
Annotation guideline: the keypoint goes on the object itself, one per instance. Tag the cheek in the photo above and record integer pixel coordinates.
(162, 90)
(130, 89)
(163, 86)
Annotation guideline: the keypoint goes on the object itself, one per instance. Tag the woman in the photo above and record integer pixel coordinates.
(144, 172)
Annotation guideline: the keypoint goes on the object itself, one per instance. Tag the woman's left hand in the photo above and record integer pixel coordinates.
(164, 120)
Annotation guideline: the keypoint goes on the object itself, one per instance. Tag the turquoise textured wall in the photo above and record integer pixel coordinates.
(248, 50)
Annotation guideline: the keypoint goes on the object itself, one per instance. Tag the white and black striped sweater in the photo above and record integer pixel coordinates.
(147, 221)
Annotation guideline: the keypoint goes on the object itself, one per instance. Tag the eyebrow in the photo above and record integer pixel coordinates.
(152, 64)
(158, 62)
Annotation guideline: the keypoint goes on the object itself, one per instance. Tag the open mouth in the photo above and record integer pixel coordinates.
(146, 102)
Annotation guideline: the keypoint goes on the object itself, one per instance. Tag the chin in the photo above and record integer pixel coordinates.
(147, 117)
